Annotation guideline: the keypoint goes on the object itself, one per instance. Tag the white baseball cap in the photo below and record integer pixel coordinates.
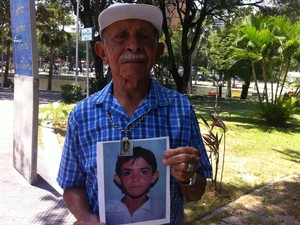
(124, 11)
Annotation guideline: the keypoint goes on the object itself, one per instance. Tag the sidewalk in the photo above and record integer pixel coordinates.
(21, 203)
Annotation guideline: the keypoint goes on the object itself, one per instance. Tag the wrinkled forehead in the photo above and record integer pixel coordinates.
(131, 25)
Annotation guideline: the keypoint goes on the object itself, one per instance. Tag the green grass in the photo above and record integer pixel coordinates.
(255, 154)
(56, 116)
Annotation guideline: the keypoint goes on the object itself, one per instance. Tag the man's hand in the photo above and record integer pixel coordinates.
(89, 220)
(184, 162)
(77, 202)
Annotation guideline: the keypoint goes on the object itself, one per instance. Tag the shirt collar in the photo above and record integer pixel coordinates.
(120, 205)
(156, 97)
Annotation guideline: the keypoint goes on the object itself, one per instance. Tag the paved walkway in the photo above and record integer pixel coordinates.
(21, 203)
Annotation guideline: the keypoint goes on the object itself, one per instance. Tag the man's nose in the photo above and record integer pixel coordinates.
(134, 44)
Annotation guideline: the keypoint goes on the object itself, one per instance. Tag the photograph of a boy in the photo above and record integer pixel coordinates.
(134, 176)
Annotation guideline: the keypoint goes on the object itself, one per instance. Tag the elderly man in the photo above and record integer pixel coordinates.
(132, 106)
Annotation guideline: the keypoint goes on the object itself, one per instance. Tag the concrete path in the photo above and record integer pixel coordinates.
(21, 203)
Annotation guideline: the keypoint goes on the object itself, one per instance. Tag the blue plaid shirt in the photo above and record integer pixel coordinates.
(168, 114)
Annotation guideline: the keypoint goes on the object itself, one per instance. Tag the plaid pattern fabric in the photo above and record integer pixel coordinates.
(168, 114)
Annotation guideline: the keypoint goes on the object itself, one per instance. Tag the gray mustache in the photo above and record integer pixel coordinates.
(132, 56)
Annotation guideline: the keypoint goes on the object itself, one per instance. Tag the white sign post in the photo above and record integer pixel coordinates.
(87, 35)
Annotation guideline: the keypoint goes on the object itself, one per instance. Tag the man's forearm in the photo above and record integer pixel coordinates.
(77, 202)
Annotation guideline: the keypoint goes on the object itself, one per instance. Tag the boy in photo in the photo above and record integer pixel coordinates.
(135, 175)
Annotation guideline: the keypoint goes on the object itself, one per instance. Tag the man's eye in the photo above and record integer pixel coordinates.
(120, 36)
(145, 37)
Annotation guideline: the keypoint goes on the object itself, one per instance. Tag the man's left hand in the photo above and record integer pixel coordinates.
(184, 162)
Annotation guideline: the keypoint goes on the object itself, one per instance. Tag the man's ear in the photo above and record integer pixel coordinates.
(99, 49)
(160, 49)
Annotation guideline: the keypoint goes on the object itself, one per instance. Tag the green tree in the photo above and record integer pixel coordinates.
(219, 39)
(88, 16)
(282, 7)
(52, 17)
(5, 30)
(218, 53)
(192, 16)
(270, 43)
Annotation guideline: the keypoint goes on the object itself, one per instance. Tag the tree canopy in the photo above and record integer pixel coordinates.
(271, 44)
(191, 17)
(52, 17)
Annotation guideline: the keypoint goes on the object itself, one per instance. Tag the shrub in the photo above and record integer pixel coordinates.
(54, 113)
(96, 85)
(279, 113)
(71, 93)
(93, 85)
(8, 83)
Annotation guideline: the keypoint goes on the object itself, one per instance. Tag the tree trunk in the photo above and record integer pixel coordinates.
(228, 94)
(8, 44)
(177, 78)
(187, 69)
(220, 91)
(173, 68)
(49, 88)
(245, 90)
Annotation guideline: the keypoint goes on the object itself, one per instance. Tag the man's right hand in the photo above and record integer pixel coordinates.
(77, 202)
(90, 220)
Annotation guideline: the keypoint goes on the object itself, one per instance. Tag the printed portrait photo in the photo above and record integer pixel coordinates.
(133, 188)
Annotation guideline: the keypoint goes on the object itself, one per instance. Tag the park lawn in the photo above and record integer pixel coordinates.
(55, 115)
(255, 154)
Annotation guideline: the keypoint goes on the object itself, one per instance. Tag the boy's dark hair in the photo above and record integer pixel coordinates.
(138, 152)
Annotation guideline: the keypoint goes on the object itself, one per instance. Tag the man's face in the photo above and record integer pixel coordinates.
(130, 48)
(136, 177)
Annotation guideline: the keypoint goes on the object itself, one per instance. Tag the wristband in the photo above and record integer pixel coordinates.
(192, 181)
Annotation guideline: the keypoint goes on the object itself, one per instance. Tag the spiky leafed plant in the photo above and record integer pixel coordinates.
(213, 142)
